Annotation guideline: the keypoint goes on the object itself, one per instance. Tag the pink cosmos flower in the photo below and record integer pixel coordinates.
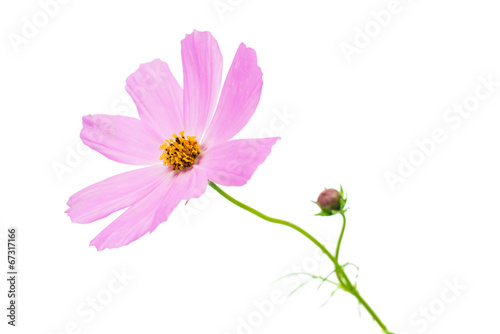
(183, 135)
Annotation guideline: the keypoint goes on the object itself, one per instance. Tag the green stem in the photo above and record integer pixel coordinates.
(363, 302)
(273, 220)
(341, 234)
(342, 277)
(344, 280)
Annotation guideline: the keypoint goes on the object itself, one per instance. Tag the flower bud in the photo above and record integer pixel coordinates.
(329, 200)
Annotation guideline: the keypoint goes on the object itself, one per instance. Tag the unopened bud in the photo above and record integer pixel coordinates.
(329, 200)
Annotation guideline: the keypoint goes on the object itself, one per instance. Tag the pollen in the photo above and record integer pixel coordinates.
(180, 152)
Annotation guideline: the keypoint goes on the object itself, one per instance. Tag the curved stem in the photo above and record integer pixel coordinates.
(273, 220)
(341, 234)
(344, 280)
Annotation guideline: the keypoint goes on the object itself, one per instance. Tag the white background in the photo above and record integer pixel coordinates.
(206, 268)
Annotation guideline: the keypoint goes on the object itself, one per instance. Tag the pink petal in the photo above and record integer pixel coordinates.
(158, 97)
(153, 209)
(202, 64)
(239, 98)
(113, 194)
(123, 139)
(232, 163)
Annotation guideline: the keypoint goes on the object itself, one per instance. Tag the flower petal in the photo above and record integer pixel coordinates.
(202, 65)
(233, 163)
(146, 214)
(113, 194)
(239, 98)
(123, 139)
(158, 97)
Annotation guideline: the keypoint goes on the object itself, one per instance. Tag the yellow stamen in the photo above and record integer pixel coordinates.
(180, 152)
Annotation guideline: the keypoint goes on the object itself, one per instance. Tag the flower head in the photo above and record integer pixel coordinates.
(182, 134)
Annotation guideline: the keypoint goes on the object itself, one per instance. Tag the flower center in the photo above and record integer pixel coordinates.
(180, 152)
